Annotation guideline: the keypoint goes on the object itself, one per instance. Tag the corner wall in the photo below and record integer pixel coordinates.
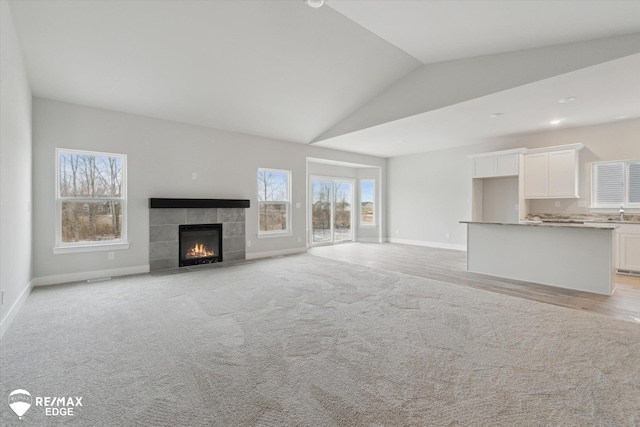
(161, 157)
(429, 193)
(15, 173)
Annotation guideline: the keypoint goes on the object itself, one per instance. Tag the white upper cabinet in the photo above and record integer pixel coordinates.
(551, 173)
(563, 173)
(536, 175)
(499, 163)
(483, 167)
(507, 165)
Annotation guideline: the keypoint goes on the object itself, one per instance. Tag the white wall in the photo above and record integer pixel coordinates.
(429, 193)
(161, 158)
(15, 172)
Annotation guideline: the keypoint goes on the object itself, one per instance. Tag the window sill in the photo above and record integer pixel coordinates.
(368, 226)
(90, 248)
(270, 235)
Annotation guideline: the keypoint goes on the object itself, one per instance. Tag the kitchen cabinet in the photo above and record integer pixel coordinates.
(628, 245)
(490, 165)
(536, 175)
(551, 173)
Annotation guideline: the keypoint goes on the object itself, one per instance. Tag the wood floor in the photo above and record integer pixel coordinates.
(449, 266)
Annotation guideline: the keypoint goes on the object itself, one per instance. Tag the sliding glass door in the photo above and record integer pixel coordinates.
(321, 208)
(342, 203)
(331, 211)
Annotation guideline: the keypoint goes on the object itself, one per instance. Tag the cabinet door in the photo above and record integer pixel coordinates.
(536, 175)
(507, 165)
(562, 174)
(483, 167)
(629, 252)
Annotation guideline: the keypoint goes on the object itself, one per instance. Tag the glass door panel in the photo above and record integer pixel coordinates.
(342, 230)
(321, 218)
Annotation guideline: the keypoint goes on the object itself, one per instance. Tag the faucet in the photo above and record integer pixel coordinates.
(621, 214)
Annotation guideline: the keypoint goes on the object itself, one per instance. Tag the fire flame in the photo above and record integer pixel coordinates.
(199, 251)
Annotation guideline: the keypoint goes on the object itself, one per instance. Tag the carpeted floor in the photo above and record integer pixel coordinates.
(307, 341)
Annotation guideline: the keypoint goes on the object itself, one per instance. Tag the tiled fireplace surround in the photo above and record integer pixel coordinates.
(164, 235)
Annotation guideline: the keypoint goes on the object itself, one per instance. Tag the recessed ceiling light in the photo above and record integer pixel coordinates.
(315, 3)
(556, 122)
(621, 117)
(568, 99)
(400, 141)
(496, 115)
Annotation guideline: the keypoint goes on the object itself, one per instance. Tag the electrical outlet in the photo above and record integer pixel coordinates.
(28, 206)
(517, 207)
(248, 243)
(298, 205)
(299, 239)
(447, 235)
(111, 256)
(582, 203)
(194, 175)
(557, 204)
(397, 231)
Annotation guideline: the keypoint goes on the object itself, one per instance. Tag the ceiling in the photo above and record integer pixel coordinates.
(604, 93)
(283, 70)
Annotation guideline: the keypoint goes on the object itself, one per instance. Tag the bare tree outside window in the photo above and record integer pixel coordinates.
(321, 210)
(91, 196)
(367, 202)
(274, 200)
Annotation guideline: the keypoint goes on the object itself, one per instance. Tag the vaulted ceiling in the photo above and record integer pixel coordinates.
(351, 75)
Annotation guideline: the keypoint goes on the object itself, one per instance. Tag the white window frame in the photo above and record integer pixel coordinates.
(625, 202)
(367, 224)
(102, 245)
(287, 202)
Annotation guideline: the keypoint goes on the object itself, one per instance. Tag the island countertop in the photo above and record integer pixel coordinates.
(529, 223)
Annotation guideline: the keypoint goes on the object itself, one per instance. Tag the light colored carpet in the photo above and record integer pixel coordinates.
(307, 341)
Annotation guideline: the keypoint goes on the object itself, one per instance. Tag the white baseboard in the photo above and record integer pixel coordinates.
(369, 240)
(428, 244)
(268, 254)
(87, 275)
(15, 308)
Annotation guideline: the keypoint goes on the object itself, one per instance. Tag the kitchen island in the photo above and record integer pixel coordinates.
(566, 255)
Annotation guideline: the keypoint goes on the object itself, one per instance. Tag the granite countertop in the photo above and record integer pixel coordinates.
(549, 224)
(594, 218)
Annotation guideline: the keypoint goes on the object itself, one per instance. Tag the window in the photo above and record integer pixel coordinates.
(90, 201)
(367, 202)
(615, 184)
(274, 202)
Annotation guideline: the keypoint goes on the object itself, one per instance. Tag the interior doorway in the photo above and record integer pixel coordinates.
(331, 210)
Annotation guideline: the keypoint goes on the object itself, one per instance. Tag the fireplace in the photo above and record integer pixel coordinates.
(200, 244)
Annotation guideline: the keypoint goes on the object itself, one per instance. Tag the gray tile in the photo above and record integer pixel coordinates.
(167, 216)
(233, 256)
(230, 244)
(163, 233)
(161, 250)
(163, 264)
(231, 214)
(233, 229)
(202, 216)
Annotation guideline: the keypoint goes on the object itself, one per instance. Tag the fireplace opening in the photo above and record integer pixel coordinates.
(200, 244)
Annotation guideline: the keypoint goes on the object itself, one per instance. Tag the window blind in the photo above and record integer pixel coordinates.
(633, 183)
(608, 184)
